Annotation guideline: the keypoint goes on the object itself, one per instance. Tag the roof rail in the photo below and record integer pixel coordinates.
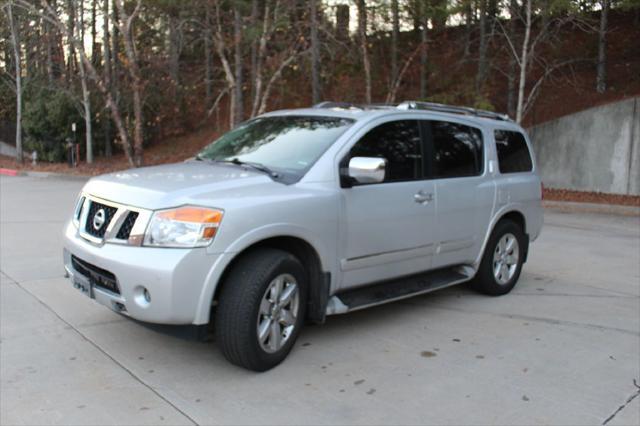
(341, 105)
(431, 106)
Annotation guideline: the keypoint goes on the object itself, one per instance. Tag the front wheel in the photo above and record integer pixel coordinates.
(502, 260)
(261, 309)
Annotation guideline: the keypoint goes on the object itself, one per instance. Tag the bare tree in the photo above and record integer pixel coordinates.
(126, 29)
(237, 40)
(315, 52)
(481, 74)
(221, 50)
(15, 42)
(601, 76)
(424, 32)
(51, 15)
(106, 73)
(208, 59)
(528, 53)
(286, 57)
(86, 99)
(524, 57)
(395, 30)
(362, 34)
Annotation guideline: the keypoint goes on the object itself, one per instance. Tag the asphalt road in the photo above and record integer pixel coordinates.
(562, 348)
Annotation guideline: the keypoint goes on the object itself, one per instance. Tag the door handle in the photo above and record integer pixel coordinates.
(423, 197)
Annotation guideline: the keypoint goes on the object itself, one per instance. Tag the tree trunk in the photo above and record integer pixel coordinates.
(481, 74)
(15, 41)
(511, 71)
(49, 51)
(254, 49)
(342, 22)
(523, 62)
(362, 32)
(601, 77)
(126, 24)
(315, 53)
(424, 32)
(106, 75)
(115, 53)
(220, 47)
(208, 59)
(262, 50)
(86, 100)
(395, 23)
(237, 36)
(71, 58)
(174, 48)
(94, 45)
(468, 28)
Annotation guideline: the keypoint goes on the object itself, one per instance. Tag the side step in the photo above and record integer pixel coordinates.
(396, 289)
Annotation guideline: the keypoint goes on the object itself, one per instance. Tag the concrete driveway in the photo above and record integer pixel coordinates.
(562, 348)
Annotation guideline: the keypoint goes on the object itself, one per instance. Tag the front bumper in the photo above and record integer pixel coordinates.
(174, 279)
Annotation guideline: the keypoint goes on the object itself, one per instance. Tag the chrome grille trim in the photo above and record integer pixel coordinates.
(136, 236)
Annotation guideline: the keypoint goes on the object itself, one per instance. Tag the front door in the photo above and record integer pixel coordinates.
(389, 226)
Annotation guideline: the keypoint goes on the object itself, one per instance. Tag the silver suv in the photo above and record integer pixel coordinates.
(300, 214)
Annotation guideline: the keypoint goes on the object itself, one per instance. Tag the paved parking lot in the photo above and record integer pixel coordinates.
(562, 348)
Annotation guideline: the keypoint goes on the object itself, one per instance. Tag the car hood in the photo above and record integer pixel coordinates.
(177, 184)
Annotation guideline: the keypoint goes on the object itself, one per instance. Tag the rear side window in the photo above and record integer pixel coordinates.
(513, 153)
(399, 143)
(457, 150)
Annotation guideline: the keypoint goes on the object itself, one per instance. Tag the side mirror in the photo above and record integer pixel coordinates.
(367, 169)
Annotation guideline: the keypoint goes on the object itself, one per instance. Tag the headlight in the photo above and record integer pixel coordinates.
(183, 227)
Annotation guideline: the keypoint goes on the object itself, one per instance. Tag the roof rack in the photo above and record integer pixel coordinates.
(340, 105)
(431, 106)
(427, 106)
(349, 105)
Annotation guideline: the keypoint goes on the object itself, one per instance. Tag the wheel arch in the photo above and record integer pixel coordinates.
(306, 253)
(508, 213)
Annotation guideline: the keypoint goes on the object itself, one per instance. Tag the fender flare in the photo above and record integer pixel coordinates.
(241, 244)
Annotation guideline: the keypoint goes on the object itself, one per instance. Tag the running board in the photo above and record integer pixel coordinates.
(397, 289)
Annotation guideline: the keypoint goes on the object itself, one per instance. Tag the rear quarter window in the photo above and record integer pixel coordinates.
(513, 152)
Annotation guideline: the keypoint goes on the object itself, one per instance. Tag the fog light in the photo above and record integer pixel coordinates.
(142, 296)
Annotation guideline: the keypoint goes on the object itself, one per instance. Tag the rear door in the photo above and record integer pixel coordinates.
(464, 190)
(389, 226)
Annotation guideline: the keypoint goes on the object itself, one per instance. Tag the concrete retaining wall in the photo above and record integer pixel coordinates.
(593, 150)
(6, 149)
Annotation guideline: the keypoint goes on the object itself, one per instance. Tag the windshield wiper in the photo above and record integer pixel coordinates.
(255, 166)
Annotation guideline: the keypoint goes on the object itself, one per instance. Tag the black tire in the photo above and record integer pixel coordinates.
(485, 280)
(239, 304)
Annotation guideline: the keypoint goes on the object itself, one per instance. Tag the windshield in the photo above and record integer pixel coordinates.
(288, 145)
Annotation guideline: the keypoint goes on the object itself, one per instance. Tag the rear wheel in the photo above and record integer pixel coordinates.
(502, 260)
(261, 309)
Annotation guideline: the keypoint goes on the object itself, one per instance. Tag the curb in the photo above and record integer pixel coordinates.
(42, 175)
(8, 172)
(574, 207)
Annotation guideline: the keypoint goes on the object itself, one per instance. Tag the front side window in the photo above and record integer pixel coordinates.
(513, 153)
(399, 143)
(288, 145)
(457, 150)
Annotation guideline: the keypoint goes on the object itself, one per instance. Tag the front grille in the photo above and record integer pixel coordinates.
(94, 209)
(97, 276)
(127, 226)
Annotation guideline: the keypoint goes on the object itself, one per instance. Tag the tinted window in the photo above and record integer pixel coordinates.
(457, 150)
(399, 143)
(513, 154)
(286, 144)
